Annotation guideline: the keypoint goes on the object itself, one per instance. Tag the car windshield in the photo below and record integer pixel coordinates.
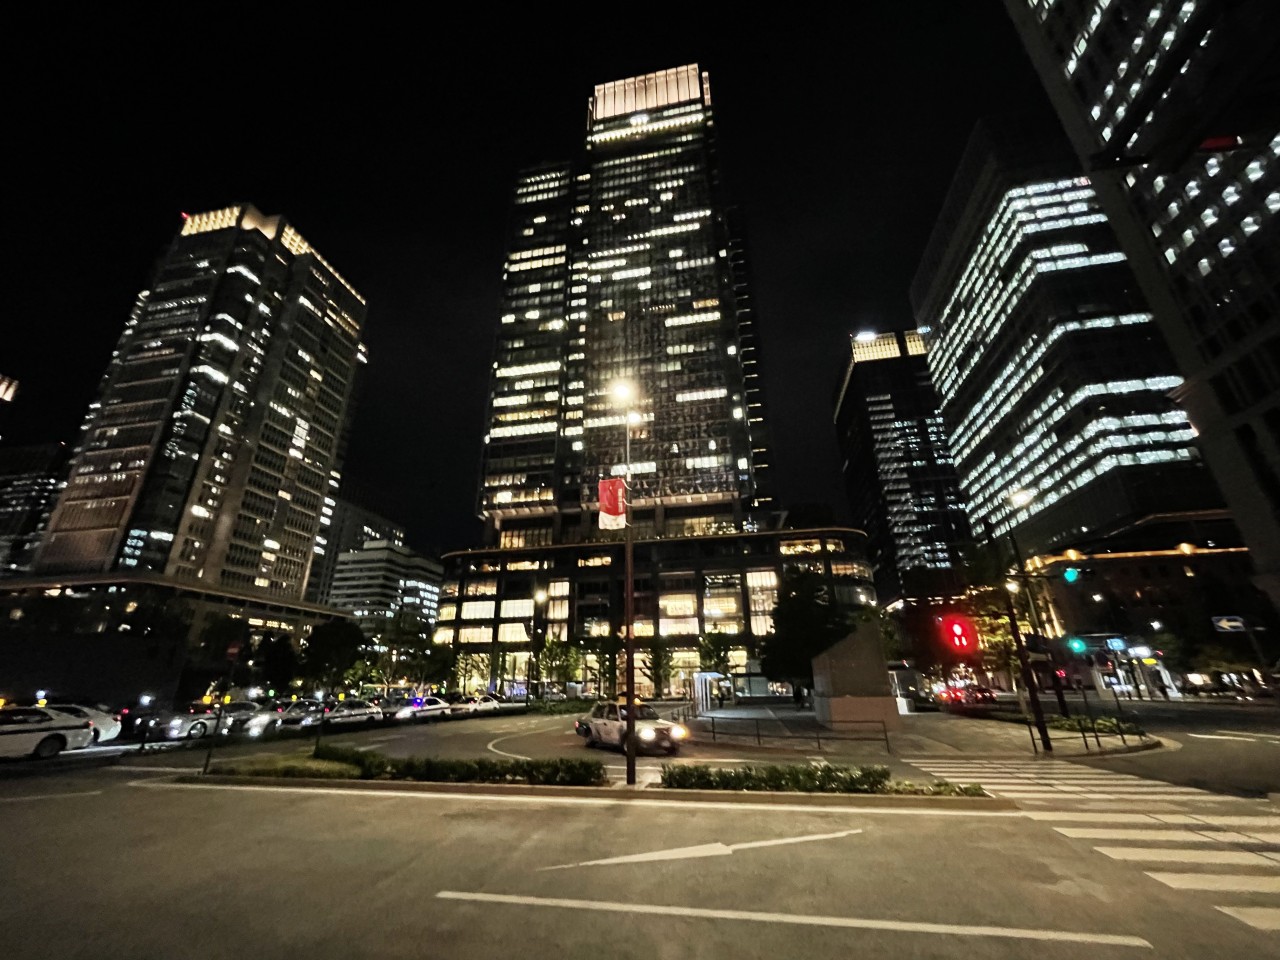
(643, 712)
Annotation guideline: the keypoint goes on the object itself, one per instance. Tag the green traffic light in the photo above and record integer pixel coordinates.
(1071, 574)
(1076, 645)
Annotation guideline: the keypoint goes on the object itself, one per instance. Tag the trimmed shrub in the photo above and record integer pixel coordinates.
(1104, 725)
(554, 772)
(823, 778)
(558, 707)
(288, 767)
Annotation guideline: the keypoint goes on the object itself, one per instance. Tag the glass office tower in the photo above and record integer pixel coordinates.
(626, 323)
(212, 444)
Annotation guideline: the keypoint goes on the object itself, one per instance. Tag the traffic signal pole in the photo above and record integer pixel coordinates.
(1024, 664)
(1036, 626)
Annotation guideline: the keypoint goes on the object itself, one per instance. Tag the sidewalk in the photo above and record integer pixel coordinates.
(922, 735)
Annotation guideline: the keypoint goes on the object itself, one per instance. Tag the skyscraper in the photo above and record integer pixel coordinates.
(1055, 384)
(1174, 111)
(210, 448)
(29, 479)
(381, 581)
(623, 271)
(344, 526)
(899, 476)
(628, 339)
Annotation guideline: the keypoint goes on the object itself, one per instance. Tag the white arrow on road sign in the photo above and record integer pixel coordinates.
(1229, 624)
(703, 850)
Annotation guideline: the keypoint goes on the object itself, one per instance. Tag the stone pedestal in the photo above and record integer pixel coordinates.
(851, 685)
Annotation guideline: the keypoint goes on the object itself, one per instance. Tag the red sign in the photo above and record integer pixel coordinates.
(613, 504)
(233, 650)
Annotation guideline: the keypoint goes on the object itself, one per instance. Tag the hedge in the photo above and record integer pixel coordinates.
(553, 772)
(1104, 725)
(558, 707)
(823, 778)
(288, 767)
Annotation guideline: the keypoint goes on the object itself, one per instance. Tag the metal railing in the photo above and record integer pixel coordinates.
(748, 728)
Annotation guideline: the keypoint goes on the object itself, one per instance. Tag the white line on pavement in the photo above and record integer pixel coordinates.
(855, 923)
(1220, 882)
(1260, 918)
(514, 756)
(702, 850)
(50, 796)
(1218, 736)
(1154, 854)
(1119, 833)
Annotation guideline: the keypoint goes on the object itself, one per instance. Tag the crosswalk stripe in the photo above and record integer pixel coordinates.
(1155, 854)
(1260, 918)
(1219, 882)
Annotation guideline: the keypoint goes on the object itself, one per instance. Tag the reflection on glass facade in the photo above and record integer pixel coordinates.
(212, 444)
(622, 272)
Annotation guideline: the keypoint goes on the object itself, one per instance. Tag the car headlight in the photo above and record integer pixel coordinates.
(647, 733)
(404, 713)
(678, 732)
(175, 724)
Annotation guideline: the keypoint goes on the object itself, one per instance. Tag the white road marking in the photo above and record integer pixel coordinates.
(503, 753)
(137, 769)
(702, 850)
(50, 796)
(855, 923)
(1220, 882)
(1119, 833)
(1155, 854)
(1218, 736)
(1252, 733)
(1260, 918)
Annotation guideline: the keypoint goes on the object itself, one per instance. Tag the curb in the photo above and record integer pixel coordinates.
(609, 792)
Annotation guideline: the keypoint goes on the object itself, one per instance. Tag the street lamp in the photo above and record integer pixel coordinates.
(625, 393)
(537, 630)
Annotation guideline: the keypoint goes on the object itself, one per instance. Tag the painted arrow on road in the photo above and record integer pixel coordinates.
(703, 850)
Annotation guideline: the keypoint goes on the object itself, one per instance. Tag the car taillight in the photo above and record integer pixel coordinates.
(88, 724)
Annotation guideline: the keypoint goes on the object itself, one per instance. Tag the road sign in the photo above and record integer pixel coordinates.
(1229, 624)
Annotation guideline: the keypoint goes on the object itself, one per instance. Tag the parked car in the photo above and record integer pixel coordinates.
(467, 705)
(352, 711)
(198, 720)
(41, 732)
(979, 695)
(239, 712)
(416, 708)
(106, 725)
(606, 724)
(301, 713)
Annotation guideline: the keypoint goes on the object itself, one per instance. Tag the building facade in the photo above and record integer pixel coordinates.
(383, 581)
(30, 478)
(344, 526)
(1054, 381)
(627, 347)
(899, 475)
(208, 454)
(717, 589)
(626, 331)
(1174, 110)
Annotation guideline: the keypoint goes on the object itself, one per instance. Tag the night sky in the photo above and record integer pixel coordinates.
(394, 151)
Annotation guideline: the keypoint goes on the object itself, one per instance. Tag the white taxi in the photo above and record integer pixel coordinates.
(607, 724)
(40, 732)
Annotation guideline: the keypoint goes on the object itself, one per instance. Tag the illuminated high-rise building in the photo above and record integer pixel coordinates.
(623, 273)
(211, 446)
(628, 339)
(1173, 109)
(898, 472)
(29, 481)
(1054, 381)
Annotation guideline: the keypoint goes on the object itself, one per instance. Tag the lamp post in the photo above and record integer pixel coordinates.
(537, 631)
(625, 392)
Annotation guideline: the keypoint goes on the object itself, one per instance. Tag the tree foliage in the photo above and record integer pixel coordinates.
(806, 622)
(332, 649)
(714, 650)
(657, 664)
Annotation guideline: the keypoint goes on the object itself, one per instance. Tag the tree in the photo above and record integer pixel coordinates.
(713, 652)
(560, 660)
(332, 649)
(606, 650)
(805, 623)
(278, 661)
(657, 666)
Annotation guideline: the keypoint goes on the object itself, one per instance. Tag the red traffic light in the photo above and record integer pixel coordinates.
(959, 634)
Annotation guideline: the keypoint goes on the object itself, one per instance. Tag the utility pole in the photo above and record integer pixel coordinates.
(629, 614)
(1025, 578)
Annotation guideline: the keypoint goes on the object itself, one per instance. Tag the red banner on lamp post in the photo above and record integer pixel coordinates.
(613, 504)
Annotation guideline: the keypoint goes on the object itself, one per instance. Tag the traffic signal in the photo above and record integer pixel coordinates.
(959, 634)
(1076, 645)
(1076, 574)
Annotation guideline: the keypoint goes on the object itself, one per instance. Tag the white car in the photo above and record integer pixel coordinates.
(40, 732)
(607, 725)
(106, 725)
(198, 721)
(302, 713)
(481, 704)
(353, 711)
(416, 708)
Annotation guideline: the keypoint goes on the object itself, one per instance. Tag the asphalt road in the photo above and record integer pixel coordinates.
(113, 863)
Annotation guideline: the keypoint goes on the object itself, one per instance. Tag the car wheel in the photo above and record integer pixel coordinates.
(197, 731)
(591, 738)
(673, 750)
(49, 747)
(96, 734)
